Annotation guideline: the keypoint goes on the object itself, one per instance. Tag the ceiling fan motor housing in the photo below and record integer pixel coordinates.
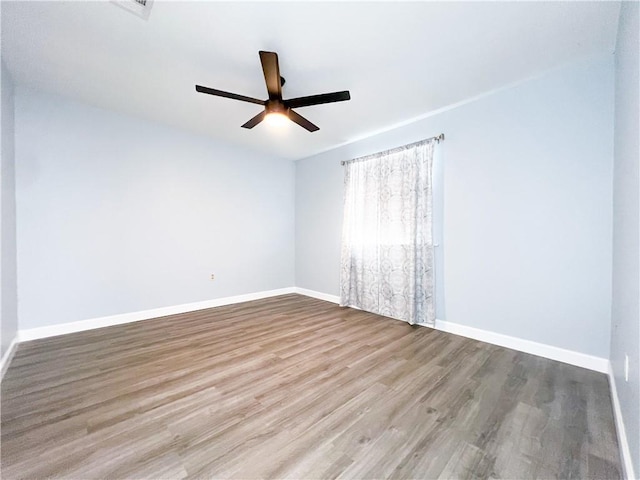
(276, 106)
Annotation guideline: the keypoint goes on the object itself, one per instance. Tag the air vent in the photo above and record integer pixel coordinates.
(141, 8)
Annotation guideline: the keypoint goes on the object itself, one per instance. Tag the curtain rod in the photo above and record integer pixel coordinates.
(437, 139)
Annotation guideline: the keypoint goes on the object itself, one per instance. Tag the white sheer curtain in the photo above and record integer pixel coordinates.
(387, 242)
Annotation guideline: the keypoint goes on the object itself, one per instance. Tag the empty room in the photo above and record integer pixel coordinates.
(314, 240)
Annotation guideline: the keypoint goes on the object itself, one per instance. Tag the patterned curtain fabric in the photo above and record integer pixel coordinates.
(387, 242)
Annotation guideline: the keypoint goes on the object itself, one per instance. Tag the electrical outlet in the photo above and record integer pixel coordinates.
(213, 277)
(626, 368)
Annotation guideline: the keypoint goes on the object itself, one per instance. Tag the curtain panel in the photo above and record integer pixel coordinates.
(387, 256)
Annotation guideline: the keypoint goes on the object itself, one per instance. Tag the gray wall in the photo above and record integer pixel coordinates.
(118, 215)
(527, 208)
(8, 292)
(625, 331)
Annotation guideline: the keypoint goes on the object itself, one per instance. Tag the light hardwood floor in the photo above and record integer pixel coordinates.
(293, 387)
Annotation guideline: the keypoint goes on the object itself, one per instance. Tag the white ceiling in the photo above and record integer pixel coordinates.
(399, 60)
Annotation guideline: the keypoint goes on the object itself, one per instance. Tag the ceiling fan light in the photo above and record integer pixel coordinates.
(276, 119)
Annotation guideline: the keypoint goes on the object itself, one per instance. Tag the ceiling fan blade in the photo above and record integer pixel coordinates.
(318, 99)
(303, 122)
(255, 120)
(271, 71)
(234, 96)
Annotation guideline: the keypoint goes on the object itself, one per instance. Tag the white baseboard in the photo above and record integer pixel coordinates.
(8, 356)
(571, 357)
(319, 295)
(527, 346)
(90, 324)
(555, 353)
(623, 443)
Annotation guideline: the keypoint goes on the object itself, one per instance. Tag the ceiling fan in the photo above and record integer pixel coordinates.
(275, 105)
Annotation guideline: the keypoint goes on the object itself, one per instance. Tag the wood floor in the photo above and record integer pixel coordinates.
(293, 387)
